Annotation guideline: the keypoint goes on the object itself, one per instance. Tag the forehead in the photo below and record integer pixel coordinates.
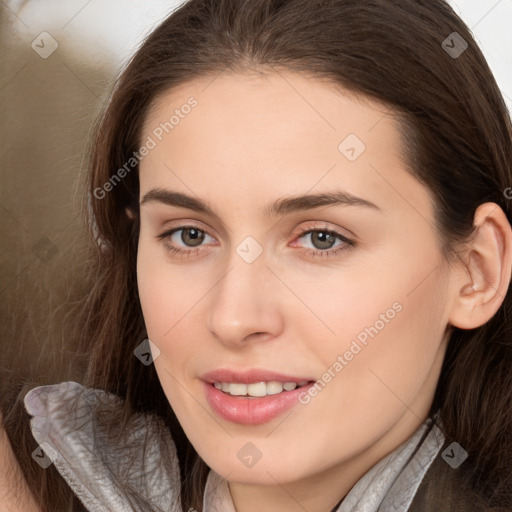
(266, 103)
(252, 134)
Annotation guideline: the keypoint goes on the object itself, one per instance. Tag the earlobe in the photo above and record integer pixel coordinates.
(482, 279)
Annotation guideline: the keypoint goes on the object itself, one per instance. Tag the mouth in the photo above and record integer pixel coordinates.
(258, 389)
(253, 397)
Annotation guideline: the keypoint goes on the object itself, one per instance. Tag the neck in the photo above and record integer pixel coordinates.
(324, 491)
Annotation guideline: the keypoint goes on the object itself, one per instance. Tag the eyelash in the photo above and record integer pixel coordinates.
(346, 246)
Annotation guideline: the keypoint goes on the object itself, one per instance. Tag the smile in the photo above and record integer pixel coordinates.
(257, 389)
(273, 399)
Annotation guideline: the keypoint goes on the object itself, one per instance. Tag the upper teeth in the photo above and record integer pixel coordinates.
(258, 388)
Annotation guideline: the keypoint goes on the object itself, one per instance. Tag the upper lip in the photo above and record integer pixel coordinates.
(249, 376)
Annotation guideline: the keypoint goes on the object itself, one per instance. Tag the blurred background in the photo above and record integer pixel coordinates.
(58, 62)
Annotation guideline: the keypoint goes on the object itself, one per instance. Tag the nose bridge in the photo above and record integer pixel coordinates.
(244, 300)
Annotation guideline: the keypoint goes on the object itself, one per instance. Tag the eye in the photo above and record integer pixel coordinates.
(184, 240)
(324, 242)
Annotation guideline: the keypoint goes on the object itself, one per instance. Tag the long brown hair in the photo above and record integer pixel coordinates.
(458, 142)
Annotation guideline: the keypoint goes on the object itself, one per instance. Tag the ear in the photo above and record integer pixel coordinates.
(482, 278)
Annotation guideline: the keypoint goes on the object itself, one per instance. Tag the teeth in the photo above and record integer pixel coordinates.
(274, 387)
(258, 389)
(238, 389)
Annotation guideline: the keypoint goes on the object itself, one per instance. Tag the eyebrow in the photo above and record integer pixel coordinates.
(279, 207)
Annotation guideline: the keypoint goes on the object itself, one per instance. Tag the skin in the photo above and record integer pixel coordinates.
(251, 140)
(15, 495)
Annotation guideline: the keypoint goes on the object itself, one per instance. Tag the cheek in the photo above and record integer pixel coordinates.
(388, 320)
(390, 351)
(167, 298)
(167, 292)
(173, 299)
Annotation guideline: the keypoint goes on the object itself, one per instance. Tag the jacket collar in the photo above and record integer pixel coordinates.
(72, 426)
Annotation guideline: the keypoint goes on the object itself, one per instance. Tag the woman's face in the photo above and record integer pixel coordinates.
(282, 241)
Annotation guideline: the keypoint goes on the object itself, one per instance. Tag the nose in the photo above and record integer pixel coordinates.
(245, 304)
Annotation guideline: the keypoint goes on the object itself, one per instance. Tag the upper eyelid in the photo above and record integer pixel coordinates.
(303, 231)
(171, 231)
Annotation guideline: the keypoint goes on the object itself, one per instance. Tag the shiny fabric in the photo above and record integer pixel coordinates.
(109, 469)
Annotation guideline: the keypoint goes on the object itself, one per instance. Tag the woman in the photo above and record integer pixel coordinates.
(303, 206)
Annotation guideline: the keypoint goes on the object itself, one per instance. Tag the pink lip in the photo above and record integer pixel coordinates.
(249, 376)
(251, 410)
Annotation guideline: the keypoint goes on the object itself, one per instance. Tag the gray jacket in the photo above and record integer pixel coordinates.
(109, 470)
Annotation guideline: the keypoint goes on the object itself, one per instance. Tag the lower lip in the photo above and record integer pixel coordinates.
(251, 410)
